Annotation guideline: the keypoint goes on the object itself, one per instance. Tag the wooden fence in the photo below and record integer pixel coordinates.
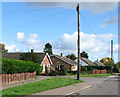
(99, 71)
(16, 77)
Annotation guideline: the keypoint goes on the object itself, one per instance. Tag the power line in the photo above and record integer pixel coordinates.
(90, 27)
(86, 23)
(37, 20)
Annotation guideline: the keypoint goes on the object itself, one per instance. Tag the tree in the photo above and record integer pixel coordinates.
(84, 54)
(48, 48)
(30, 56)
(116, 68)
(2, 48)
(107, 61)
(72, 56)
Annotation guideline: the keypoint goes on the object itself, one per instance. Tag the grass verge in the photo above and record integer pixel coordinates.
(40, 86)
(96, 75)
(93, 75)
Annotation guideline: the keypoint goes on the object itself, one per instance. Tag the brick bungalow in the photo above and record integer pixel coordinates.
(44, 57)
(62, 61)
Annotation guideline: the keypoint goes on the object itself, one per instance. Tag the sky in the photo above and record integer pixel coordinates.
(28, 26)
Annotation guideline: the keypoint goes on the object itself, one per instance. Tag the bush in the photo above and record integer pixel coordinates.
(90, 68)
(52, 73)
(115, 69)
(72, 72)
(63, 70)
(84, 68)
(46, 70)
(10, 66)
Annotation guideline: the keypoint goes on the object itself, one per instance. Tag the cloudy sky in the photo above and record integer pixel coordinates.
(31, 25)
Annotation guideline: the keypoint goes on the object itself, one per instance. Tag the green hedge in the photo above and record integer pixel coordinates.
(89, 69)
(10, 66)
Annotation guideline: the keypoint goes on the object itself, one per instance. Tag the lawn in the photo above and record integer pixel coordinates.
(95, 75)
(92, 75)
(40, 86)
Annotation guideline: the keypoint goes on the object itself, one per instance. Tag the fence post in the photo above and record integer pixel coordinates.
(9, 78)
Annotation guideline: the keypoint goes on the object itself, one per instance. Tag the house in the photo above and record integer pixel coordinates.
(45, 60)
(62, 61)
(98, 63)
(85, 62)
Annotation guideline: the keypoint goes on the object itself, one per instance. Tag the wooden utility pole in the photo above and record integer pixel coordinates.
(78, 67)
(111, 55)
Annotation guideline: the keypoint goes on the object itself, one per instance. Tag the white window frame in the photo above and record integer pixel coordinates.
(58, 66)
(48, 66)
(43, 67)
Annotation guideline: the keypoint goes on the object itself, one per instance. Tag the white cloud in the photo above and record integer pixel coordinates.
(32, 42)
(106, 22)
(10, 47)
(95, 7)
(20, 36)
(97, 46)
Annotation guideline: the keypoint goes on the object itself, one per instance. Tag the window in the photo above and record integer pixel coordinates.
(60, 66)
(48, 66)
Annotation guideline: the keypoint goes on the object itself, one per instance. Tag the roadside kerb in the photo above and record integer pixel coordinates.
(79, 90)
(67, 90)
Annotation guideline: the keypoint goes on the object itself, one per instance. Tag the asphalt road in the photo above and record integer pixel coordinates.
(108, 87)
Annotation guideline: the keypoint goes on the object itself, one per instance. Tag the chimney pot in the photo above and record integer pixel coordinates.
(32, 50)
(61, 54)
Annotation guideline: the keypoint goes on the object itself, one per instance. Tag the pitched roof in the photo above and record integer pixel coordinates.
(11, 55)
(98, 63)
(65, 59)
(16, 56)
(87, 61)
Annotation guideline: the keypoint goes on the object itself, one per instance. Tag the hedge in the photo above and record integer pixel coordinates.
(89, 69)
(10, 66)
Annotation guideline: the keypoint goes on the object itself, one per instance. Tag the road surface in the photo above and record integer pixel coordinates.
(108, 87)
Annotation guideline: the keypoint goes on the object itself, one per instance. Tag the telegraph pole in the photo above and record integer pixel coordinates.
(78, 67)
(111, 55)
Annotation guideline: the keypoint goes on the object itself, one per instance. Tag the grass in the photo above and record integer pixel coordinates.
(40, 86)
(92, 75)
(95, 75)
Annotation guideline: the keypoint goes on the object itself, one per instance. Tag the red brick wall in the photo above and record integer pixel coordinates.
(13, 78)
(46, 61)
(99, 71)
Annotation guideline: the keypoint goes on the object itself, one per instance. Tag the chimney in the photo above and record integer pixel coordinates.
(32, 50)
(61, 54)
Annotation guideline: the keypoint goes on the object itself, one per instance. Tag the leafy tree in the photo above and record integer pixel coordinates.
(72, 56)
(30, 56)
(2, 47)
(107, 61)
(84, 54)
(48, 48)
(116, 68)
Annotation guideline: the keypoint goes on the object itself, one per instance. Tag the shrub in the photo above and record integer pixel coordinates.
(10, 66)
(52, 73)
(63, 70)
(46, 70)
(84, 68)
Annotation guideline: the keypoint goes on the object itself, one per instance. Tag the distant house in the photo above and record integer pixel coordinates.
(85, 62)
(44, 59)
(98, 63)
(62, 61)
